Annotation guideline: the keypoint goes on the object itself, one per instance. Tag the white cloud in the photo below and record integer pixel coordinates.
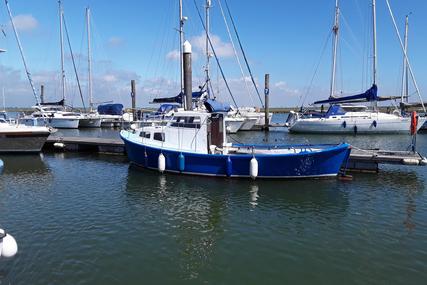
(222, 49)
(115, 42)
(25, 22)
(173, 55)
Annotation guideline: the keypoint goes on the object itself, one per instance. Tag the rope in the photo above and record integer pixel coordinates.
(216, 57)
(243, 53)
(235, 52)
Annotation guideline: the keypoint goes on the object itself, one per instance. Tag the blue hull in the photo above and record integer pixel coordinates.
(300, 165)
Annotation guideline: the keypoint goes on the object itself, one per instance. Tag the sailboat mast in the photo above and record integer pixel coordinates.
(61, 37)
(374, 34)
(405, 65)
(89, 59)
(208, 6)
(335, 30)
(181, 42)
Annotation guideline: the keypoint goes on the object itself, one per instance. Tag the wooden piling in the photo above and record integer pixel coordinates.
(42, 94)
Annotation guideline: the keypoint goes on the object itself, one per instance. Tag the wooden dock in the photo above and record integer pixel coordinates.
(360, 159)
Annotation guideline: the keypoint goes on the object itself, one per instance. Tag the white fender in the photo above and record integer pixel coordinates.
(161, 163)
(59, 145)
(8, 245)
(253, 168)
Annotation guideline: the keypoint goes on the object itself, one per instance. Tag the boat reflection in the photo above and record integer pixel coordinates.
(196, 209)
(24, 164)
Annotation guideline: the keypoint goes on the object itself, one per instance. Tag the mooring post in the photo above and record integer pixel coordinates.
(266, 102)
(133, 95)
(42, 94)
(188, 78)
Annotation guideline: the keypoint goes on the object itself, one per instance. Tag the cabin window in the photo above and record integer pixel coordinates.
(144, 135)
(159, 137)
(186, 122)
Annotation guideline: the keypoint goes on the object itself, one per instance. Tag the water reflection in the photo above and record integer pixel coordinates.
(196, 211)
(24, 164)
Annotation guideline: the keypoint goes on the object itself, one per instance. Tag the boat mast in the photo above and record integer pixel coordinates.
(61, 37)
(405, 78)
(374, 34)
(207, 20)
(181, 42)
(89, 59)
(335, 30)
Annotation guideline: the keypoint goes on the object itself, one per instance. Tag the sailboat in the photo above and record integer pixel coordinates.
(194, 142)
(343, 116)
(56, 112)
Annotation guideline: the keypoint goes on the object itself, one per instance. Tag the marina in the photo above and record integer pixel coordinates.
(213, 142)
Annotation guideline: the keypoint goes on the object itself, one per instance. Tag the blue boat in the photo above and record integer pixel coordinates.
(194, 142)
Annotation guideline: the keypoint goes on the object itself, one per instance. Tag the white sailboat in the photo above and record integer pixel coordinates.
(343, 117)
(56, 113)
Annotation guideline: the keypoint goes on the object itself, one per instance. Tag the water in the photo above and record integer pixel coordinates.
(93, 219)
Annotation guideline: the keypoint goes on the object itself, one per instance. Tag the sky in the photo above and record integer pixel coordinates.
(138, 39)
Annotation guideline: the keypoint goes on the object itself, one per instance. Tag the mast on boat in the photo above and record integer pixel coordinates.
(89, 59)
(374, 34)
(335, 30)
(181, 42)
(405, 87)
(61, 37)
(207, 20)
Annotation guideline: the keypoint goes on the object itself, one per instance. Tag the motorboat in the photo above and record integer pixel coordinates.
(194, 142)
(16, 137)
(54, 114)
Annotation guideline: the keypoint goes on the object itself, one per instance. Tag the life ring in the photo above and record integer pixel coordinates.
(414, 123)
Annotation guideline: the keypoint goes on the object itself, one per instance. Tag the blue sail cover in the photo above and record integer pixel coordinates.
(110, 109)
(214, 106)
(368, 96)
(165, 108)
(177, 98)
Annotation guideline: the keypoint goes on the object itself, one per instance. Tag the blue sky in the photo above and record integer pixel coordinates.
(137, 39)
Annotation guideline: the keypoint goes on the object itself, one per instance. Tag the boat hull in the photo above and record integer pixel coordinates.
(90, 123)
(58, 123)
(325, 163)
(398, 125)
(233, 126)
(22, 142)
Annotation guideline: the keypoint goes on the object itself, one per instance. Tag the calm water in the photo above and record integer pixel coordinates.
(93, 219)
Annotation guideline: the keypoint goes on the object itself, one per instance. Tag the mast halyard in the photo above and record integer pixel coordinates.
(405, 87)
(89, 59)
(61, 37)
(335, 30)
(207, 20)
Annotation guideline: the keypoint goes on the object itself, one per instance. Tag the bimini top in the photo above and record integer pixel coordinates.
(177, 98)
(214, 106)
(110, 109)
(368, 96)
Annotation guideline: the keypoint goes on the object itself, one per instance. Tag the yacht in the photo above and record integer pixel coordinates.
(16, 137)
(54, 115)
